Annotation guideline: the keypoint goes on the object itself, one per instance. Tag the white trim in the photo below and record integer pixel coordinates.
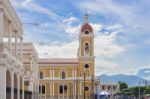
(3, 82)
(1, 25)
(59, 65)
(9, 34)
(53, 73)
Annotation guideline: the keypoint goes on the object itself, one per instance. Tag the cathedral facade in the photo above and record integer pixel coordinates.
(23, 75)
(70, 78)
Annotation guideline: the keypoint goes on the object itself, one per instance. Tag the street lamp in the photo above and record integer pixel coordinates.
(93, 86)
(84, 74)
(146, 83)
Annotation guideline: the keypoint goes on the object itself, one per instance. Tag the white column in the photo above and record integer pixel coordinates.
(18, 88)
(53, 88)
(21, 49)
(2, 82)
(53, 73)
(32, 89)
(75, 90)
(31, 63)
(12, 85)
(16, 44)
(75, 72)
(80, 88)
(1, 26)
(9, 34)
(50, 88)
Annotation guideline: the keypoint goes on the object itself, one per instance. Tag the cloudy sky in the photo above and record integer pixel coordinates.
(121, 27)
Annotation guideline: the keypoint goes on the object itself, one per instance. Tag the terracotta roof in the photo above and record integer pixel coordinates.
(86, 26)
(58, 61)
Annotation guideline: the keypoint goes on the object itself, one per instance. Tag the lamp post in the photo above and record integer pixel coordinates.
(84, 74)
(92, 86)
(146, 82)
(139, 91)
(84, 84)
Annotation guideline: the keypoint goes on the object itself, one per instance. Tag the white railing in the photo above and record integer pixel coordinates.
(6, 50)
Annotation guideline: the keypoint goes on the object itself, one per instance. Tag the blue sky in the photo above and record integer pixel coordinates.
(121, 27)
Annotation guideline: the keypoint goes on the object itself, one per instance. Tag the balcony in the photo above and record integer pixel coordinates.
(6, 55)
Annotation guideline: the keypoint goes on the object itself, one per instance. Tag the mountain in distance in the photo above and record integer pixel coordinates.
(131, 80)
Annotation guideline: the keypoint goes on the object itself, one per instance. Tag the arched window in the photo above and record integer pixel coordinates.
(65, 89)
(41, 75)
(61, 89)
(86, 47)
(63, 75)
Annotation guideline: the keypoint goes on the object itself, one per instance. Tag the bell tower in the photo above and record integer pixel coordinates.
(86, 48)
(86, 40)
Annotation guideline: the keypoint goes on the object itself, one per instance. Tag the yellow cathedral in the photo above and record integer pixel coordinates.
(70, 78)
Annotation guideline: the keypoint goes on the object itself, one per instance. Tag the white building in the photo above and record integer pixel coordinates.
(11, 67)
(30, 64)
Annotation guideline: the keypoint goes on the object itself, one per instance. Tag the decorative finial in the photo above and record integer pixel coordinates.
(86, 17)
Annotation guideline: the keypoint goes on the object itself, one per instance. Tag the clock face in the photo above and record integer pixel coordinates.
(86, 88)
(86, 32)
(86, 65)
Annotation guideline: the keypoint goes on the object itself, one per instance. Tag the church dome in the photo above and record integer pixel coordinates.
(87, 27)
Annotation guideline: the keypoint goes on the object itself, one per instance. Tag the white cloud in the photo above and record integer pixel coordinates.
(96, 27)
(110, 67)
(114, 27)
(26, 1)
(72, 30)
(58, 50)
(70, 20)
(130, 15)
(34, 7)
(105, 45)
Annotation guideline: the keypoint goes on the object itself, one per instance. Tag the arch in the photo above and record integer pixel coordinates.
(8, 85)
(61, 89)
(15, 86)
(65, 89)
(41, 75)
(63, 74)
(86, 48)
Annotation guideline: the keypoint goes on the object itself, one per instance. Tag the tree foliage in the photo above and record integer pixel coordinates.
(122, 85)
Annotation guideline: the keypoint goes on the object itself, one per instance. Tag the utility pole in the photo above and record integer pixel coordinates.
(139, 91)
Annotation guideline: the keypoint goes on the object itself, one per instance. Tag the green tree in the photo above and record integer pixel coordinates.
(147, 90)
(122, 85)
